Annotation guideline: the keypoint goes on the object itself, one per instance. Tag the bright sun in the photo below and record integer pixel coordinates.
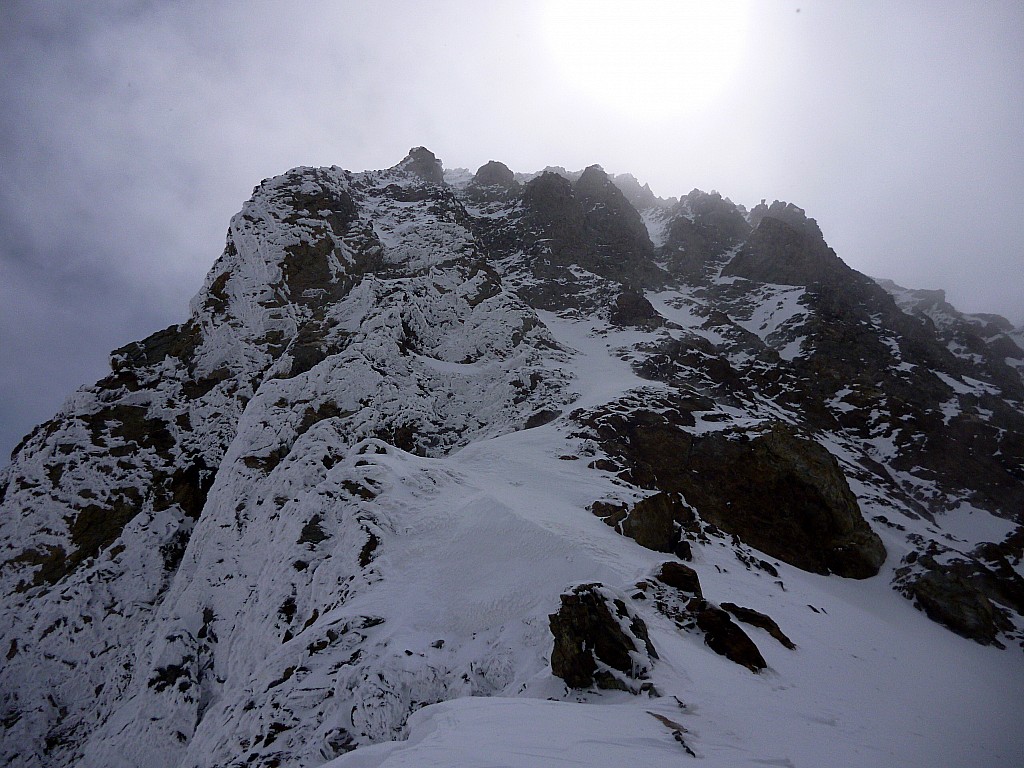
(649, 56)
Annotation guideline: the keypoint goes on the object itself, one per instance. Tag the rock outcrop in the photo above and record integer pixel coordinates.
(703, 227)
(495, 174)
(778, 491)
(677, 594)
(598, 641)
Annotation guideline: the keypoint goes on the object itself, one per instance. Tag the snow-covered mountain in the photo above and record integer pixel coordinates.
(458, 469)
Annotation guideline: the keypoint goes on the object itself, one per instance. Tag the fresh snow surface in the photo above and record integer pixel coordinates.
(872, 682)
(778, 311)
(599, 371)
(657, 220)
(678, 307)
(470, 733)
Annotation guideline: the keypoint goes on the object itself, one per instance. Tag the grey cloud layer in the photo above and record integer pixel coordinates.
(132, 131)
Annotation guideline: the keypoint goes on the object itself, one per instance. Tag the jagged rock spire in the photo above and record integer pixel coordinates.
(423, 163)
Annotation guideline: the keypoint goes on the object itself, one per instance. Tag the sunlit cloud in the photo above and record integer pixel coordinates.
(649, 58)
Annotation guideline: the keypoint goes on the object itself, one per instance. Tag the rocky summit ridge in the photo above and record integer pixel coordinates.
(610, 461)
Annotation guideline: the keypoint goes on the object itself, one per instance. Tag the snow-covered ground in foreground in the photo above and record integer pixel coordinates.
(872, 681)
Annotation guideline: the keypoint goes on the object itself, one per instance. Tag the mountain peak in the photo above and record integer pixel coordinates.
(494, 173)
(422, 163)
(593, 465)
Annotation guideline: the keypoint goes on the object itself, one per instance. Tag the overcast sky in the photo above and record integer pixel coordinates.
(130, 132)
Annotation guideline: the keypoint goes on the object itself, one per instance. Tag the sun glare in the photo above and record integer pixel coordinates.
(650, 56)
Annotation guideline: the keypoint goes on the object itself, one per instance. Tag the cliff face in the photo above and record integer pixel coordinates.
(356, 480)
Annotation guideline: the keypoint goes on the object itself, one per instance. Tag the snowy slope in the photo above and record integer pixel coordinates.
(869, 681)
(327, 518)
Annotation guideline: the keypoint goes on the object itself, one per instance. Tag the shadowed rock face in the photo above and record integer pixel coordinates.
(972, 594)
(622, 246)
(493, 173)
(640, 197)
(651, 522)
(680, 577)
(590, 224)
(761, 621)
(631, 308)
(777, 491)
(791, 501)
(422, 162)
(779, 252)
(599, 642)
(706, 226)
(950, 600)
(725, 638)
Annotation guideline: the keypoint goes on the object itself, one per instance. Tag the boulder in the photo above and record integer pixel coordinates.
(681, 577)
(724, 637)
(676, 593)
(775, 489)
(632, 309)
(953, 602)
(761, 621)
(598, 641)
(421, 162)
(493, 173)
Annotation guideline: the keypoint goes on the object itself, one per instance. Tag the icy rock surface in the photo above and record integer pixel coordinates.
(410, 410)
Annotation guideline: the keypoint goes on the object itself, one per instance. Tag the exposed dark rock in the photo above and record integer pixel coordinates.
(676, 593)
(599, 642)
(622, 249)
(631, 308)
(777, 491)
(422, 163)
(777, 251)
(998, 577)
(496, 174)
(313, 196)
(703, 226)
(187, 487)
(178, 341)
(899, 367)
(554, 211)
(857, 340)
(312, 345)
(590, 225)
(677, 731)
(639, 197)
(953, 602)
(651, 522)
(680, 577)
(725, 638)
(972, 594)
(540, 418)
(759, 620)
(684, 551)
(691, 358)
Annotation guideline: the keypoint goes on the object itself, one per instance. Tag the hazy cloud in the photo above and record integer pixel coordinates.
(132, 131)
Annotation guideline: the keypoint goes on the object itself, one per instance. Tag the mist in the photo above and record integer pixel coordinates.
(132, 131)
